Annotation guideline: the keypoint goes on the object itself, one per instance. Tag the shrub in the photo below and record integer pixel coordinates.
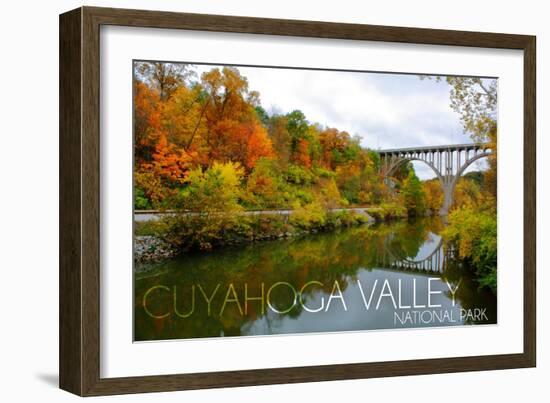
(150, 188)
(323, 173)
(389, 211)
(344, 218)
(308, 216)
(301, 196)
(298, 175)
(204, 231)
(141, 202)
(216, 189)
(151, 228)
(474, 232)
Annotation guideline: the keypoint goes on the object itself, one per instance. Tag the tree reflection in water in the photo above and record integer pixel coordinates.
(398, 251)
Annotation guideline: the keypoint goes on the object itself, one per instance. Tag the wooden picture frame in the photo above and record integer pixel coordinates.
(79, 278)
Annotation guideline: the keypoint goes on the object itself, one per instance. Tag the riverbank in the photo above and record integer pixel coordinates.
(155, 215)
(473, 231)
(174, 233)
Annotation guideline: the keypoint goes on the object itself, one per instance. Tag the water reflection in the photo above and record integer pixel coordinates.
(390, 276)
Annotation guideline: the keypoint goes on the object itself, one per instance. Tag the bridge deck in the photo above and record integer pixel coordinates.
(448, 147)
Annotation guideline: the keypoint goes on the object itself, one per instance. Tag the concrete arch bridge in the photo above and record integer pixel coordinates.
(447, 161)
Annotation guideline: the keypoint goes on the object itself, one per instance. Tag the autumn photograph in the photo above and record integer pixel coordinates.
(275, 200)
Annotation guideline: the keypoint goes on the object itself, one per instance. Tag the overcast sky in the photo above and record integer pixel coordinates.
(384, 110)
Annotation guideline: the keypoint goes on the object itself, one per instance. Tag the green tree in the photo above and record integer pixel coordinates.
(303, 141)
(214, 190)
(413, 195)
(297, 126)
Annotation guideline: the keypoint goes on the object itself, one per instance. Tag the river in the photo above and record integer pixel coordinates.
(387, 276)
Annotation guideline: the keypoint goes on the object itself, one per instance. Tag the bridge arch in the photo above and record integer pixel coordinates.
(468, 163)
(448, 162)
(435, 261)
(403, 161)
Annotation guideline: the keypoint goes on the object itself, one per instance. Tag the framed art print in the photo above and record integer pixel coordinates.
(250, 201)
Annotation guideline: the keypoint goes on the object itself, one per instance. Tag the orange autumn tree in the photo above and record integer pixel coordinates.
(161, 164)
(233, 131)
(251, 144)
(170, 163)
(149, 187)
(183, 118)
(302, 155)
(159, 178)
(333, 143)
(147, 107)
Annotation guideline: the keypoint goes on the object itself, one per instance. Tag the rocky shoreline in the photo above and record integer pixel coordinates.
(148, 248)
